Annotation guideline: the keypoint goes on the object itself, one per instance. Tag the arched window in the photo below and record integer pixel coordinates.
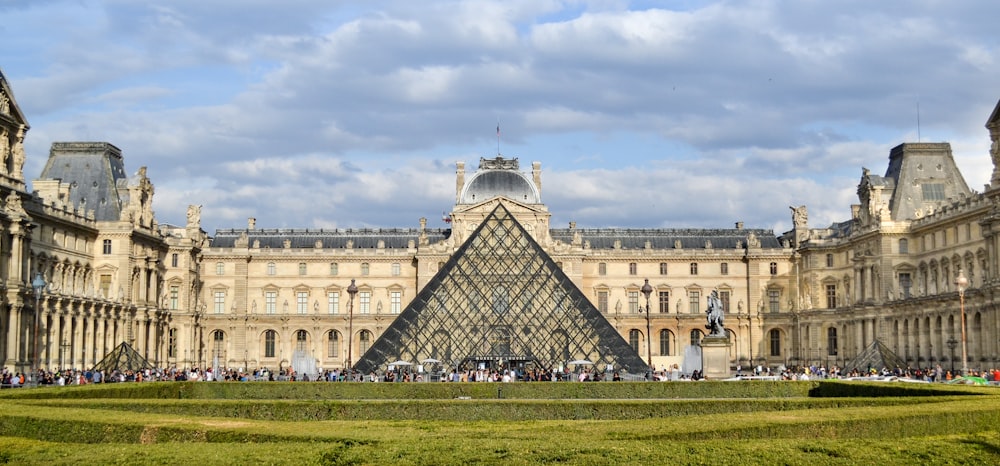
(270, 339)
(774, 268)
(366, 340)
(633, 339)
(696, 337)
(271, 268)
(664, 342)
(775, 335)
(904, 246)
(332, 344)
(300, 340)
(218, 347)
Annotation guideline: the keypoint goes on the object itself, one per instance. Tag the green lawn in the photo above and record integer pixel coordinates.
(647, 423)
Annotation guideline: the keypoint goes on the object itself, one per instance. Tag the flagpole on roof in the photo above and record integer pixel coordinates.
(498, 138)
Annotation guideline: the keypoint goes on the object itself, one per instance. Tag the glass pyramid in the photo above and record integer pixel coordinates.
(499, 302)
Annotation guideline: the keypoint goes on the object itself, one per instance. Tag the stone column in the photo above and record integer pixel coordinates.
(13, 357)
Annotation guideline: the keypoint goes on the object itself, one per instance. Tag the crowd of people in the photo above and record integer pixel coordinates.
(10, 379)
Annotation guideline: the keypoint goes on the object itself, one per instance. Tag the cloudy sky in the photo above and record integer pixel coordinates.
(324, 113)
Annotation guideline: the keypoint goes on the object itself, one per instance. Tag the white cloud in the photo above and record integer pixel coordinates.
(312, 113)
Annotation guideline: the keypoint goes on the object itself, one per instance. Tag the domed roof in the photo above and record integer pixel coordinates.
(487, 184)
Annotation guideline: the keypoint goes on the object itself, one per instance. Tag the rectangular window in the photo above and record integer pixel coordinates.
(773, 266)
(602, 268)
(831, 296)
(331, 345)
(364, 268)
(904, 285)
(220, 302)
(172, 344)
(302, 302)
(663, 268)
(724, 268)
(302, 268)
(775, 343)
(633, 268)
(694, 268)
(271, 268)
(395, 269)
(395, 301)
(774, 300)
(220, 268)
(106, 285)
(174, 259)
(602, 301)
(333, 268)
(175, 292)
(724, 297)
(269, 340)
(694, 302)
(107, 246)
(270, 302)
(664, 300)
(829, 260)
(333, 302)
(633, 302)
(364, 302)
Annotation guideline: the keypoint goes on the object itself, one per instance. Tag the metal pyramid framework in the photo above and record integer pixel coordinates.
(123, 358)
(876, 356)
(503, 302)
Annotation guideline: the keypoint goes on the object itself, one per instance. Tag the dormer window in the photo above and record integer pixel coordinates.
(933, 191)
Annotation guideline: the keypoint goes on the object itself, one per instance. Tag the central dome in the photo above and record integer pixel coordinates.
(492, 182)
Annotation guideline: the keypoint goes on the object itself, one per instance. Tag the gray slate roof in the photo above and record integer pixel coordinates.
(363, 238)
(94, 170)
(398, 238)
(665, 238)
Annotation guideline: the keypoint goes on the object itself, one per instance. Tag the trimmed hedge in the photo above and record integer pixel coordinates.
(421, 391)
(495, 390)
(470, 410)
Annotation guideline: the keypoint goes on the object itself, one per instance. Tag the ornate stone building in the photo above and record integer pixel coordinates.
(258, 297)
(88, 229)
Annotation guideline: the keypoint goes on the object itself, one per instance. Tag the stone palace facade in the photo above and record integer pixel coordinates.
(256, 297)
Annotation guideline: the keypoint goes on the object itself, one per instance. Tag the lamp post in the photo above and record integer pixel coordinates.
(961, 282)
(647, 290)
(38, 284)
(351, 290)
(952, 343)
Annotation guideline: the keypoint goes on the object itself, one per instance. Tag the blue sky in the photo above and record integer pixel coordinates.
(323, 114)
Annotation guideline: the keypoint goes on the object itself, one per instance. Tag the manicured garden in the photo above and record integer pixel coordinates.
(815, 422)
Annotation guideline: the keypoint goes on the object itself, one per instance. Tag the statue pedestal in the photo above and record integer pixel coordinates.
(715, 357)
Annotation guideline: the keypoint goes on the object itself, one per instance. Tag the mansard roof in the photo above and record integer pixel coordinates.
(399, 238)
(666, 238)
(913, 168)
(95, 171)
(363, 238)
(994, 119)
(8, 105)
